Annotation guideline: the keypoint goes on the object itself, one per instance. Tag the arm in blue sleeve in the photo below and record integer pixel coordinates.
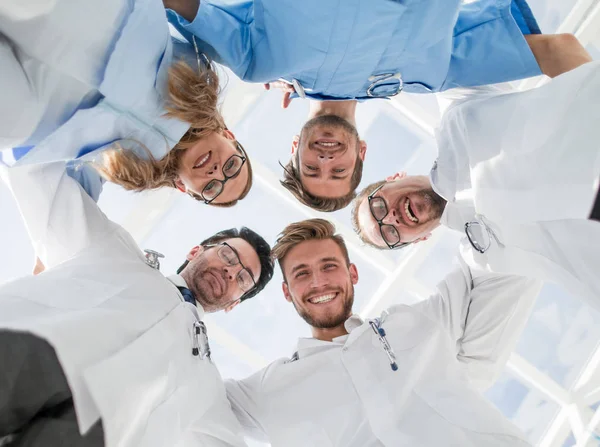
(223, 31)
(87, 177)
(489, 46)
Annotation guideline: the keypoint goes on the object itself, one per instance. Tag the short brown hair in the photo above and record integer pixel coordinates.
(357, 201)
(306, 230)
(291, 181)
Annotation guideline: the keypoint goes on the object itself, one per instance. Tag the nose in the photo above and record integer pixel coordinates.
(318, 280)
(324, 157)
(392, 218)
(230, 272)
(214, 170)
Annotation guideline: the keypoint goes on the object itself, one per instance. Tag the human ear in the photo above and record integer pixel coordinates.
(295, 142)
(228, 134)
(362, 150)
(180, 185)
(423, 238)
(353, 274)
(286, 292)
(195, 252)
(231, 306)
(396, 176)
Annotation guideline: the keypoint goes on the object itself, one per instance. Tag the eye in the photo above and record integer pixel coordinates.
(301, 274)
(229, 165)
(311, 168)
(329, 266)
(210, 187)
(339, 171)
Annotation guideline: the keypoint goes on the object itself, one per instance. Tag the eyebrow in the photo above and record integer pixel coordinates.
(326, 259)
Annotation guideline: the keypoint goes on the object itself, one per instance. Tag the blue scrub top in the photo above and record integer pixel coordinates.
(337, 49)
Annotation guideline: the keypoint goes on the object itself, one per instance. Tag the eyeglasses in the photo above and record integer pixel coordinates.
(231, 168)
(478, 235)
(231, 257)
(379, 210)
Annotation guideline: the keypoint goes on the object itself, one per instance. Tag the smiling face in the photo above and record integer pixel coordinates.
(206, 161)
(413, 209)
(326, 154)
(319, 283)
(214, 283)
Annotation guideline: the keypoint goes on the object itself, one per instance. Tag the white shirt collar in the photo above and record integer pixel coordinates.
(309, 343)
(178, 281)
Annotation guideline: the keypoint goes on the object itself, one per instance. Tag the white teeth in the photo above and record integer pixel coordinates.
(203, 160)
(408, 213)
(322, 299)
(327, 144)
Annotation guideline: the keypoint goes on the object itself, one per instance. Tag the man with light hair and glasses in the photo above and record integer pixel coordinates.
(412, 377)
(101, 349)
(337, 53)
(517, 173)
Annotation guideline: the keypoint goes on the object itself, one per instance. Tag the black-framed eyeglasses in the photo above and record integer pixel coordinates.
(479, 236)
(231, 169)
(231, 257)
(379, 211)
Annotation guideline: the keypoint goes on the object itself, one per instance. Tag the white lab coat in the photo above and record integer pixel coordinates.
(527, 164)
(121, 331)
(345, 394)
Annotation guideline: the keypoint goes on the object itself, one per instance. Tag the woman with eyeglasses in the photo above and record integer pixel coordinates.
(105, 87)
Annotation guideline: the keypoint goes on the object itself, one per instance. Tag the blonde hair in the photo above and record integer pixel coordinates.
(193, 98)
(306, 230)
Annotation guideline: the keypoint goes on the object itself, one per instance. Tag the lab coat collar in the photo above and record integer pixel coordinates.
(308, 345)
(178, 281)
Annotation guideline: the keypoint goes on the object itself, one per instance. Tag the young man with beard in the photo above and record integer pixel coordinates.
(101, 349)
(339, 52)
(410, 378)
(518, 174)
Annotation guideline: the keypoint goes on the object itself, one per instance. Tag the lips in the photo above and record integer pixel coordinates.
(322, 298)
(327, 144)
(203, 160)
(216, 284)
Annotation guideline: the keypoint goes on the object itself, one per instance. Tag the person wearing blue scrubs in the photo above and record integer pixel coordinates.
(339, 52)
(101, 84)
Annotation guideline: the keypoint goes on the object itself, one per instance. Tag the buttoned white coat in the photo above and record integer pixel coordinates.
(121, 331)
(527, 166)
(344, 393)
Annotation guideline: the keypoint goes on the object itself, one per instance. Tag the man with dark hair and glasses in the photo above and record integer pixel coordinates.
(101, 349)
(517, 173)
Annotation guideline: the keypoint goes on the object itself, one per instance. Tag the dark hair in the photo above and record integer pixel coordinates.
(262, 248)
(291, 181)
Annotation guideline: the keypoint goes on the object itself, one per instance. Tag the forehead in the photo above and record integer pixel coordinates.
(247, 254)
(311, 252)
(368, 225)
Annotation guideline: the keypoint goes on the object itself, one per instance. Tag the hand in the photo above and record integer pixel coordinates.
(286, 88)
(188, 9)
(39, 267)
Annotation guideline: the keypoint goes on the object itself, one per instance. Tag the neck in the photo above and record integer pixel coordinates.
(343, 109)
(329, 334)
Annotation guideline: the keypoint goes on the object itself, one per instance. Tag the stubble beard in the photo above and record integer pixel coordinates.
(331, 321)
(193, 275)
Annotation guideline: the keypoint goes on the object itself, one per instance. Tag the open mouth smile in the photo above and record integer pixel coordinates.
(322, 299)
(408, 211)
(203, 161)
